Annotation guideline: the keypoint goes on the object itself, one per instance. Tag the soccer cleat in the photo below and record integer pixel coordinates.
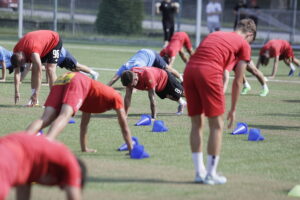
(245, 90)
(264, 92)
(180, 109)
(199, 178)
(291, 73)
(95, 75)
(214, 180)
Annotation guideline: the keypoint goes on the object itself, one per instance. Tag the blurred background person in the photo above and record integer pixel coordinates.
(213, 12)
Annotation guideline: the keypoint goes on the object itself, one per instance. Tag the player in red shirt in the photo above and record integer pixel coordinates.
(279, 50)
(154, 80)
(178, 41)
(36, 47)
(74, 91)
(26, 159)
(203, 87)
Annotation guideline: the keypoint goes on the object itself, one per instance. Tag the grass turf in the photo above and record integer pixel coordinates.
(255, 170)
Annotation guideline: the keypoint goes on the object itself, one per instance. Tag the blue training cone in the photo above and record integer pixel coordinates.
(72, 121)
(144, 121)
(241, 128)
(255, 135)
(159, 126)
(138, 152)
(124, 147)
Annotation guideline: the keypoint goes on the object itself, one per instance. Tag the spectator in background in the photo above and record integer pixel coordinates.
(168, 10)
(238, 14)
(253, 5)
(213, 12)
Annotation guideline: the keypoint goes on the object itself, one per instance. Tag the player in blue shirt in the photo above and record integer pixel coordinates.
(5, 62)
(144, 58)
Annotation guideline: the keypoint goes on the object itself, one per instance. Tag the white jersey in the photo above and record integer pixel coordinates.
(212, 7)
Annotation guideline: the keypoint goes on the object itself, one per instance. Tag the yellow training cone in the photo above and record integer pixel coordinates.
(295, 192)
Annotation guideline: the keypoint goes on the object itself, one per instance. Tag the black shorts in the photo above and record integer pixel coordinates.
(173, 88)
(53, 56)
(69, 62)
(159, 62)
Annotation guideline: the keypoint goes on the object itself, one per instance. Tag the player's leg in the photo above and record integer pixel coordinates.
(86, 69)
(246, 87)
(260, 77)
(51, 71)
(216, 125)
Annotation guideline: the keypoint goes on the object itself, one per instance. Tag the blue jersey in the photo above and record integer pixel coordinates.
(143, 58)
(62, 56)
(5, 56)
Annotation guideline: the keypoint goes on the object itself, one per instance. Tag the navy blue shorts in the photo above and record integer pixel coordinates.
(159, 62)
(69, 62)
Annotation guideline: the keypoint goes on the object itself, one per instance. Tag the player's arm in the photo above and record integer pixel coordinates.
(127, 99)
(124, 128)
(17, 76)
(3, 64)
(73, 193)
(36, 77)
(25, 72)
(275, 67)
(113, 80)
(225, 80)
(23, 192)
(85, 119)
(157, 5)
(183, 56)
(151, 95)
(237, 85)
(176, 6)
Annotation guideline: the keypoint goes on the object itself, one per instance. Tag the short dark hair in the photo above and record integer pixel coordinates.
(127, 78)
(263, 60)
(247, 25)
(14, 59)
(83, 172)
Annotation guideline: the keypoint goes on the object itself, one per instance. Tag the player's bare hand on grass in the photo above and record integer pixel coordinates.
(230, 118)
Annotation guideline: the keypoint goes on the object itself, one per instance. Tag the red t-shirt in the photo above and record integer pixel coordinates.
(178, 40)
(26, 158)
(41, 42)
(276, 48)
(101, 98)
(150, 78)
(220, 51)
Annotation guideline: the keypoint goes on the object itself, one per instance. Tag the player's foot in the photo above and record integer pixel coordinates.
(200, 178)
(291, 73)
(95, 75)
(29, 104)
(245, 90)
(264, 92)
(214, 180)
(180, 108)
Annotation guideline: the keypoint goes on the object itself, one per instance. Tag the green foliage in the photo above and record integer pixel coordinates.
(120, 17)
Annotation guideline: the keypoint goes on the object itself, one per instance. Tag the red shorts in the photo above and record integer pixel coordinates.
(204, 91)
(72, 92)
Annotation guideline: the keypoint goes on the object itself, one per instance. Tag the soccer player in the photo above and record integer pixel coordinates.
(279, 50)
(178, 41)
(4, 62)
(27, 159)
(154, 80)
(144, 57)
(203, 87)
(36, 47)
(74, 91)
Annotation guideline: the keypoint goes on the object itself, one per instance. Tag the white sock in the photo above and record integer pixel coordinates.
(265, 87)
(182, 101)
(93, 72)
(198, 163)
(247, 85)
(292, 66)
(212, 164)
(32, 91)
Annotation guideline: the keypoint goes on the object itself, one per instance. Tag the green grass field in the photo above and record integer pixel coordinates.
(255, 170)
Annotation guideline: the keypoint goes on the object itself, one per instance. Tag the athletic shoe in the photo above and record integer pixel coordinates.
(180, 109)
(264, 92)
(291, 73)
(199, 178)
(29, 104)
(245, 90)
(95, 75)
(215, 180)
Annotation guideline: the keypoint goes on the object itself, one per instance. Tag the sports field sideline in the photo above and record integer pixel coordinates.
(263, 170)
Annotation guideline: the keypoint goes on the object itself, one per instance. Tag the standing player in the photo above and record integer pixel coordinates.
(5, 56)
(144, 57)
(154, 80)
(168, 10)
(72, 92)
(213, 12)
(279, 50)
(178, 41)
(26, 159)
(36, 47)
(203, 85)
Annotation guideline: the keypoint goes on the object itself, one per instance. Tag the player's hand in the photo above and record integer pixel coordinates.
(87, 150)
(17, 97)
(230, 118)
